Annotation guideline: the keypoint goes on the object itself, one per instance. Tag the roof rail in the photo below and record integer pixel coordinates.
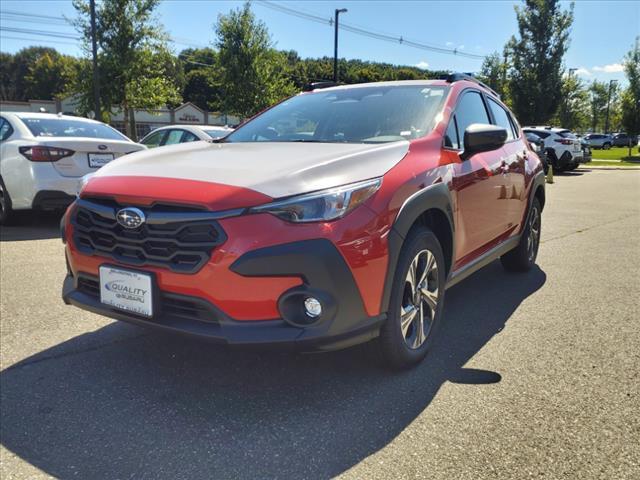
(318, 85)
(456, 77)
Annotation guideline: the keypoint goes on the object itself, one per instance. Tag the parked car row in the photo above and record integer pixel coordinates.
(606, 141)
(44, 156)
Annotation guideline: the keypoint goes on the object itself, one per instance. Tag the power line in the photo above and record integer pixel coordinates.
(36, 40)
(396, 39)
(35, 21)
(38, 19)
(27, 14)
(44, 33)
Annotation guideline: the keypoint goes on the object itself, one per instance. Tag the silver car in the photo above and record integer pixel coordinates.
(599, 140)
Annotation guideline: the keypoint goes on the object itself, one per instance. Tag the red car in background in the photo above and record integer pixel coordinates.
(337, 216)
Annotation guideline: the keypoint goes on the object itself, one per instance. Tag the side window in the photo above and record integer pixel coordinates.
(470, 110)
(173, 137)
(155, 139)
(502, 118)
(451, 135)
(5, 129)
(189, 137)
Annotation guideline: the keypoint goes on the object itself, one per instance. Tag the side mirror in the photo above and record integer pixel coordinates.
(480, 137)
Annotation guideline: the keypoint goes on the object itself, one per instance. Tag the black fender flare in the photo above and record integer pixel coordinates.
(538, 181)
(433, 197)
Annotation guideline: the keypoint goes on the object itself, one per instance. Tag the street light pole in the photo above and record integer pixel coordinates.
(606, 122)
(94, 49)
(335, 44)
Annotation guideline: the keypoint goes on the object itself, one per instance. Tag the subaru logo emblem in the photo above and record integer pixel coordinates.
(130, 217)
(102, 147)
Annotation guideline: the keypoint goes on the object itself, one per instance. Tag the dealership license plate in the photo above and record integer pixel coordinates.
(97, 160)
(126, 290)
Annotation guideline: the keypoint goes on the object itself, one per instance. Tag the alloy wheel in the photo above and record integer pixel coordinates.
(533, 239)
(419, 299)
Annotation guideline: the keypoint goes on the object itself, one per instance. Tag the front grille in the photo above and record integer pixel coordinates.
(176, 306)
(179, 239)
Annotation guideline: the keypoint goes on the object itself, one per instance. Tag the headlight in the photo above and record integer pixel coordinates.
(323, 205)
(535, 148)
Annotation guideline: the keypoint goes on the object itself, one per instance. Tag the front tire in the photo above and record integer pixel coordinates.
(417, 300)
(523, 257)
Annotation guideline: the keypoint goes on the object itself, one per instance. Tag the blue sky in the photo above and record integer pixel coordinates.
(603, 31)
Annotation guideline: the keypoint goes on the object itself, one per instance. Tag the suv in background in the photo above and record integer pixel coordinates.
(599, 141)
(338, 216)
(537, 145)
(623, 140)
(563, 148)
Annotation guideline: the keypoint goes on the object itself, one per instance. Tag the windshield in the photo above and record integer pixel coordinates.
(375, 114)
(62, 127)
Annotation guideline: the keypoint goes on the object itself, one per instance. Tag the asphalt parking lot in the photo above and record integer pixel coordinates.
(535, 375)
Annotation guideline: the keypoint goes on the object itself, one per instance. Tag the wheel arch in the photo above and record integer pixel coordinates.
(430, 207)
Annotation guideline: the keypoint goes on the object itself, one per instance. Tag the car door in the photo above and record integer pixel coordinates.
(479, 186)
(513, 160)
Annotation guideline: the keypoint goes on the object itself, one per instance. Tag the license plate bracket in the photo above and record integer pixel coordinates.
(97, 160)
(127, 290)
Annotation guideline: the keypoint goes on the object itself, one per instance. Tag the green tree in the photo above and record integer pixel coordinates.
(536, 59)
(598, 96)
(50, 76)
(35, 72)
(573, 108)
(630, 104)
(8, 87)
(494, 73)
(134, 62)
(203, 88)
(253, 74)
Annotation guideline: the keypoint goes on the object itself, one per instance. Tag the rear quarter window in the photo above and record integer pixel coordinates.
(502, 119)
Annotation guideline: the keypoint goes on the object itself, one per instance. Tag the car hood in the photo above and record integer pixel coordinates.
(275, 169)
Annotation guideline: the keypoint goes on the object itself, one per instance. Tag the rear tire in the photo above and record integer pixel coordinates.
(606, 146)
(6, 210)
(417, 300)
(523, 257)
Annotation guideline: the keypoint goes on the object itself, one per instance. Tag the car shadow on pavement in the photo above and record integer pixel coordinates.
(32, 226)
(121, 402)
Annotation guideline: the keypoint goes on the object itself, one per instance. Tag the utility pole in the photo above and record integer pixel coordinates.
(335, 45)
(606, 122)
(96, 77)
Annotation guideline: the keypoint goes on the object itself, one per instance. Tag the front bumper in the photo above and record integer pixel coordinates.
(326, 276)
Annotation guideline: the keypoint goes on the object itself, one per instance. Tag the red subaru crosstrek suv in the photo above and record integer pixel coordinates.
(338, 216)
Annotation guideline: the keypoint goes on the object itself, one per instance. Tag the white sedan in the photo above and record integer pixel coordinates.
(172, 134)
(43, 157)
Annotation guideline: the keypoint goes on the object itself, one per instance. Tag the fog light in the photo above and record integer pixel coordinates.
(312, 307)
